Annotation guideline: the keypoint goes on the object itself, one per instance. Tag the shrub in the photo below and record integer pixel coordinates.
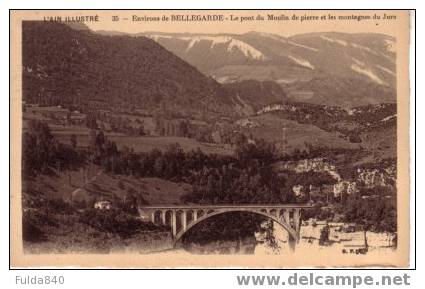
(115, 221)
(31, 233)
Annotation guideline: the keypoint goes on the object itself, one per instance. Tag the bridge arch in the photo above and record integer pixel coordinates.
(292, 233)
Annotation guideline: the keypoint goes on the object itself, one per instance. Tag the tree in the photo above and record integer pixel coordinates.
(92, 140)
(211, 184)
(141, 130)
(378, 214)
(73, 139)
(91, 121)
(41, 151)
(100, 139)
(324, 235)
(159, 165)
(184, 128)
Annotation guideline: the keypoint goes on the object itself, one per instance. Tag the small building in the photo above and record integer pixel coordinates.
(103, 205)
(298, 190)
(344, 187)
(77, 118)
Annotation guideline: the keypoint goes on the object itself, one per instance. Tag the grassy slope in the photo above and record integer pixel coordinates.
(103, 185)
(382, 143)
(153, 190)
(148, 143)
(289, 135)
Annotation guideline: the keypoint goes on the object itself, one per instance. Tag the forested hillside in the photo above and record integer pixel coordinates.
(63, 66)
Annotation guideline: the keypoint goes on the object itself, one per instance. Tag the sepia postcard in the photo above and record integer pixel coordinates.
(209, 138)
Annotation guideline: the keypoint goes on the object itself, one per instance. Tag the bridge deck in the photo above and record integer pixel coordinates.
(233, 206)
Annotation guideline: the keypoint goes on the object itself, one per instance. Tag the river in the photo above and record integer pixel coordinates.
(343, 239)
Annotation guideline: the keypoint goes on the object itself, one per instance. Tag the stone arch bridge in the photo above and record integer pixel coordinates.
(182, 218)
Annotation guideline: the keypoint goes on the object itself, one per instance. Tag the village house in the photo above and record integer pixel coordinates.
(344, 187)
(77, 118)
(103, 205)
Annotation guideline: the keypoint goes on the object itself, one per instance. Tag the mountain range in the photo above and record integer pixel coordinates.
(204, 74)
(330, 68)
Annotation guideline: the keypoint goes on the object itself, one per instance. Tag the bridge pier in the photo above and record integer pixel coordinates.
(291, 242)
(174, 223)
(297, 220)
(286, 217)
(183, 220)
(163, 217)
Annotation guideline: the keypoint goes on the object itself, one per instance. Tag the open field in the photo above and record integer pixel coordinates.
(289, 135)
(148, 143)
(137, 143)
